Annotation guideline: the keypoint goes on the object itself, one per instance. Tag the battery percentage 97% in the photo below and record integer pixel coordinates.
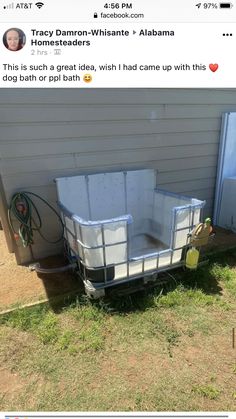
(207, 5)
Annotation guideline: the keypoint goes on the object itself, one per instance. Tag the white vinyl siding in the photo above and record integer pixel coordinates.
(48, 133)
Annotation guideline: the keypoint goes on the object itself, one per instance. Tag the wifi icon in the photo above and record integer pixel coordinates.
(39, 4)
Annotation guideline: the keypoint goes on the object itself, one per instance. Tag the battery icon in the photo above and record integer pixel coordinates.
(226, 5)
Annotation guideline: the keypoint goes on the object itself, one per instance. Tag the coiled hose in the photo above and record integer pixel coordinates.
(26, 213)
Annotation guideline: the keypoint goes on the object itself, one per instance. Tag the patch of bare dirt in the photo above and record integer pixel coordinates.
(198, 361)
(223, 239)
(21, 286)
(10, 382)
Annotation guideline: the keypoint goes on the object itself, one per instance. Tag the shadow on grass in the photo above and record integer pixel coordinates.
(204, 279)
(66, 289)
(60, 287)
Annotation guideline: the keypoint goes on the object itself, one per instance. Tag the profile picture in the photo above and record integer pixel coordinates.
(14, 39)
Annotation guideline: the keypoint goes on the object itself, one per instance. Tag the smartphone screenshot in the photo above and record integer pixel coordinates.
(117, 209)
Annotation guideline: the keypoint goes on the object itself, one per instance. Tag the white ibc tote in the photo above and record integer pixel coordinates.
(119, 226)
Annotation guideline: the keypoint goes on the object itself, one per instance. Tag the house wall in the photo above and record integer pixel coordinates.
(47, 133)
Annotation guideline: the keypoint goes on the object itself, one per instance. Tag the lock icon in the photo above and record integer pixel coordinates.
(95, 15)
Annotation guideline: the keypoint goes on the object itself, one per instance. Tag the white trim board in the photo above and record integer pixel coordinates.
(226, 159)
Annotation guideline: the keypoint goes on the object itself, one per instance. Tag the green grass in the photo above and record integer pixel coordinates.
(182, 296)
(148, 351)
(39, 320)
(25, 319)
(48, 330)
(226, 275)
(222, 273)
(65, 341)
(208, 391)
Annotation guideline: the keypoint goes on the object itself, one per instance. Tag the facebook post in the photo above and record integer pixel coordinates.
(117, 209)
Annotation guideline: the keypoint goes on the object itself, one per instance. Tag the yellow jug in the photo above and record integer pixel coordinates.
(192, 257)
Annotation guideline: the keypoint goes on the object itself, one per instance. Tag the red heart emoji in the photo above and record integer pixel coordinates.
(213, 67)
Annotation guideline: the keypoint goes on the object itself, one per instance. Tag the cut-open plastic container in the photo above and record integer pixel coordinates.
(120, 227)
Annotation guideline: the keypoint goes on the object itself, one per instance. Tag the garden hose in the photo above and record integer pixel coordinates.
(26, 213)
(36, 267)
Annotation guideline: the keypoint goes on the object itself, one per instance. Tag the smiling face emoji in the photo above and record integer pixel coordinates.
(87, 78)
